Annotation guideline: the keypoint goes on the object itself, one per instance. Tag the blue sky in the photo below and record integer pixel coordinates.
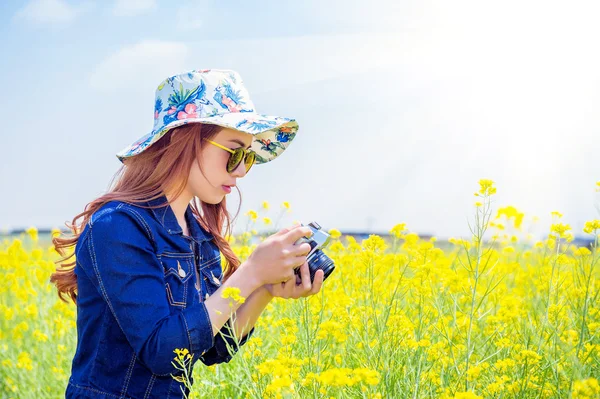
(402, 106)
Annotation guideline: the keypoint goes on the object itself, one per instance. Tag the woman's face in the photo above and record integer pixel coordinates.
(208, 187)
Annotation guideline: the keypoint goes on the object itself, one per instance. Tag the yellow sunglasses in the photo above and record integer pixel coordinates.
(237, 156)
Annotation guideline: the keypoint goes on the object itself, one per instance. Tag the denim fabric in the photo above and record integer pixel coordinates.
(137, 301)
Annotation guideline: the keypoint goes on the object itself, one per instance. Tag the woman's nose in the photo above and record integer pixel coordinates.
(240, 171)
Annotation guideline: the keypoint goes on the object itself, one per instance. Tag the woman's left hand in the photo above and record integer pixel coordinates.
(297, 287)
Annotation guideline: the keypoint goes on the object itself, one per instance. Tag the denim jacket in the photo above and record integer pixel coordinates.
(141, 288)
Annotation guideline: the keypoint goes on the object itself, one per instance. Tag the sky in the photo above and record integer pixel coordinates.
(402, 105)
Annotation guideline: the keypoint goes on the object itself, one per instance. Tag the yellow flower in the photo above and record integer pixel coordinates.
(510, 212)
(478, 204)
(398, 230)
(288, 339)
(40, 336)
(335, 233)
(33, 233)
(588, 388)
(252, 214)
(182, 353)
(591, 226)
(598, 186)
(486, 187)
(24, 361)
(466, 395)
(556, 214)
(265, 205)
(233, 293)
(374, 243)
(581, 251)
(267, 221)
(560, 229)
(230, 239)
(286, 205)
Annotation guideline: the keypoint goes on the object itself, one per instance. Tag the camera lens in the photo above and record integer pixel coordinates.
(318, 260)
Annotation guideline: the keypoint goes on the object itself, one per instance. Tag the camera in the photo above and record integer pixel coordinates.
(316, 258)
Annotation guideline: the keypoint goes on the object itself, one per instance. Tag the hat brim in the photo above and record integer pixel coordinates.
(272, 134)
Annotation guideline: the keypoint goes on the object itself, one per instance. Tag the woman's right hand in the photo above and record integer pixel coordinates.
(274, 260)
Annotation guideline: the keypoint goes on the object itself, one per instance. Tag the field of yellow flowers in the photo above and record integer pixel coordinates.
(502, 317)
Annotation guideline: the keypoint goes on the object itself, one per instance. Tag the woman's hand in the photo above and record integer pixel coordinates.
(274, 260)
(297, 287)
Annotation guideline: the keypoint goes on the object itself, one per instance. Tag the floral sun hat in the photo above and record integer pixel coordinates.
(214, 96)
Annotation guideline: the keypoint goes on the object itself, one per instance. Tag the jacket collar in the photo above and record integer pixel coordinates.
(165, 215)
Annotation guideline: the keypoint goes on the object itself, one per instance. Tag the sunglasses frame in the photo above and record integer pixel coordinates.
(246, 152)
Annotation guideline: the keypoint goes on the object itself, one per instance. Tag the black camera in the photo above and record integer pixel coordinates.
(316, 259)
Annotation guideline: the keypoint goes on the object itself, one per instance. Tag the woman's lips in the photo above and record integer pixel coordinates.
(227, 189)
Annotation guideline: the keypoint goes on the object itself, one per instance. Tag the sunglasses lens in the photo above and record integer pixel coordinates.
(249, 160)
(235, 159)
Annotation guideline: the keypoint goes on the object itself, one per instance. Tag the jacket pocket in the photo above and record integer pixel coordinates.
(212, 274)
(178, 271)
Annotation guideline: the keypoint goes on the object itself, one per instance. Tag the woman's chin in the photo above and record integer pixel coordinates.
(212, 200)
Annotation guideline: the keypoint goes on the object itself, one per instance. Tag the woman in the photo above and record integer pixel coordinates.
(147, 277)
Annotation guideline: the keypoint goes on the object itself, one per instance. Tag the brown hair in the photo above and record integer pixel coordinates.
(162, 167)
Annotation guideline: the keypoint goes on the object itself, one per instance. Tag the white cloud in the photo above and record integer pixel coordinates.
(137, 65)
(50, 12)
(300, 59)
(127, 8)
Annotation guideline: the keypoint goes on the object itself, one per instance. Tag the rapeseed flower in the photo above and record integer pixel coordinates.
(33, 233)
(486, 188)
(415, 304)
(592, 226)
(588, 388)
(561, 230)
(234, 294)
(335, 233)
(398, 230)
(252, 214)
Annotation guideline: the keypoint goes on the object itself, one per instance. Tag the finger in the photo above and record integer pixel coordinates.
(290, 283)
(305, 273)
(298, 261)
(302, 249)
(282, 231)
(297, 250)
(287, 229)
(287, 288)
(290, 275)
(296, 233)
(318, 282)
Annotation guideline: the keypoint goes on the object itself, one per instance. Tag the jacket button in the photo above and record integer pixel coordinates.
(182, 272)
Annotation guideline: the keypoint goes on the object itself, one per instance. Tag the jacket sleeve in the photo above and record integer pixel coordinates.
(225, 346)
(129, 276)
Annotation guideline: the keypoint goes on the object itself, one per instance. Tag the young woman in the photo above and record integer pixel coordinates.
(147, 275)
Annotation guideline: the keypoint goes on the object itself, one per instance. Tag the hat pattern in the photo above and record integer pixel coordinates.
(214, 96)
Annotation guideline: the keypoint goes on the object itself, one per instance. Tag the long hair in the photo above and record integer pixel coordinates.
(162, 167)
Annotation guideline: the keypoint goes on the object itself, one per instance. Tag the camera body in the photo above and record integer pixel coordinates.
(316, 259)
